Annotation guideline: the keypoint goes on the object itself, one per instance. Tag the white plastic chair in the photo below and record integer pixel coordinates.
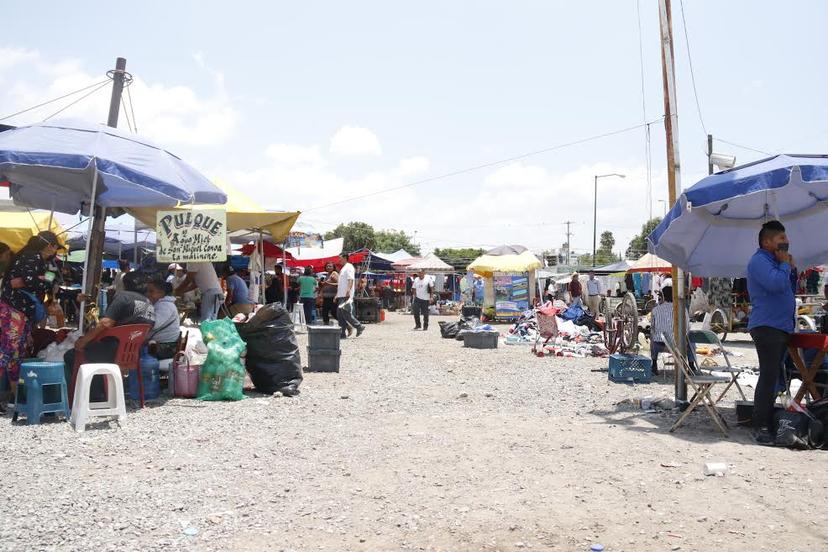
(297, 316)
(115, 405)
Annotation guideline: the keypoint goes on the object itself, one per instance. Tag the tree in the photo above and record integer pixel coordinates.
(607, 242)
(458, 258)
(638, 245)
(357, 235)
(390, 241)
(604, 254)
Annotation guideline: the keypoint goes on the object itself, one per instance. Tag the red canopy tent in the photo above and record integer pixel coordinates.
(270, 251)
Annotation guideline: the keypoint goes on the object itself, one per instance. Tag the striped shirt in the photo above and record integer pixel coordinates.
(661, 321)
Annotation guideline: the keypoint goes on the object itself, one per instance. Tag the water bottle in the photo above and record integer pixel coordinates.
(147, 369)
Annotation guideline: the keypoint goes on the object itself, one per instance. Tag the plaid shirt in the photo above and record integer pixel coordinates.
(662, 321)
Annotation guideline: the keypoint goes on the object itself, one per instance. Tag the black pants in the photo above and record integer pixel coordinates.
(345, 316)
(771, 347)
(328, 309)
(420, 306)
(308, 304)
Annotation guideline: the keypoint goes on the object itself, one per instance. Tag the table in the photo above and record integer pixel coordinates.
(808, 373)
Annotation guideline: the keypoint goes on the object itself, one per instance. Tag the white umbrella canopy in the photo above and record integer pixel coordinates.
(430, 264)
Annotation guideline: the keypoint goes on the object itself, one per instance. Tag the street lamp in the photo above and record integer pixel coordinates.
(595, 211)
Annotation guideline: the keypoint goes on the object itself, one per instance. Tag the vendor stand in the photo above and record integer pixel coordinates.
(509, 279)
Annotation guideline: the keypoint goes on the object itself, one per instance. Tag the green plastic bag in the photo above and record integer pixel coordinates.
(222, 375)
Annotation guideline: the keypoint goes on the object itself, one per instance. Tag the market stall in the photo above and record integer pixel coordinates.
(509, 279)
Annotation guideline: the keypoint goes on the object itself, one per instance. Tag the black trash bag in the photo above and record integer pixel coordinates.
(792, 429)
(273, 359)
(448, 330)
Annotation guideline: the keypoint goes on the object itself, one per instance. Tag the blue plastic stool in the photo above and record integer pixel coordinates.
(34, 376)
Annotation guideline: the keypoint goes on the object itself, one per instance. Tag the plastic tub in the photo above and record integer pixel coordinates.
(321, 360)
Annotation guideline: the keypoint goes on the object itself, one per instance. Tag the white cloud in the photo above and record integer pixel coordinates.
(292, 154)
(354, 141)
(170, 114)
(413, 166)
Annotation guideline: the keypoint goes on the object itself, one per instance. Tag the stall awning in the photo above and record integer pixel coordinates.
(506, 258)
(242, 214)
(17, 225)
(650, 263)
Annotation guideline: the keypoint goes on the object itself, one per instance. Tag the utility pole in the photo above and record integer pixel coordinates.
(98, 230)
(709, 154)
(568, 242)
(673, 177)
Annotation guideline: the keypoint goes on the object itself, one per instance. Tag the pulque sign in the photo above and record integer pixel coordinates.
(191, 236)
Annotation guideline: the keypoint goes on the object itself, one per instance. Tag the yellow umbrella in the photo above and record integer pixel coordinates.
(16, 227)
(486, 265)
(243, 213)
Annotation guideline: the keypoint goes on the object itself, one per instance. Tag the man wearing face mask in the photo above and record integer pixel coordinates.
(771, 278)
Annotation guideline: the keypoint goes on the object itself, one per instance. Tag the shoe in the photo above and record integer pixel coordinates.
(350, 331)
(360, 330)
(416, 328)
(343, 336)
(764, 437)
(289, 390)
(425, 328)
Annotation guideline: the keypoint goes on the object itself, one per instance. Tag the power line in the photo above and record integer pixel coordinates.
(483, 166)
(53, 100)
(61, 110)
(748, 148)
(690, 61)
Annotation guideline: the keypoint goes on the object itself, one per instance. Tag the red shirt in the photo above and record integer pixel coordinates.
(575, 288)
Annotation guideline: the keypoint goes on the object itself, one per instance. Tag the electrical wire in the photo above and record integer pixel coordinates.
(131, 108)
(690, 61)
(61, 110)
(647, 143)
(53, 100)
(748, 148)
(123, 108)
(483, 166)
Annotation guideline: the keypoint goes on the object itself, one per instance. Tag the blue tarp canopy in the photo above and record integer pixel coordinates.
(52, 166)
(713, 228)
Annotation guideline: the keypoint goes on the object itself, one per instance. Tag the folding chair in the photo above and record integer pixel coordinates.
(701, 384)
(706, 337)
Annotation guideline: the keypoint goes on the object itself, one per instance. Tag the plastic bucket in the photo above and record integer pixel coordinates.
(185, 377)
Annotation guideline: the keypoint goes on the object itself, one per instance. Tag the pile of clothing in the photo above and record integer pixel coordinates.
(578, 335)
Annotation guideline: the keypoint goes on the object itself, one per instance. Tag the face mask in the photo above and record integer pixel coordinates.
(783, 246)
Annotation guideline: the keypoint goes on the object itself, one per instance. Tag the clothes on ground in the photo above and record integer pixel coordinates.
(346, 278)
(771, 286)
(238, 289)
(166, 328)
(422, 288)
(571, 339)
(307, 287)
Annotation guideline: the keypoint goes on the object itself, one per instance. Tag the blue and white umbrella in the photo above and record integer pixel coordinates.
(713, 228)
(60, 166)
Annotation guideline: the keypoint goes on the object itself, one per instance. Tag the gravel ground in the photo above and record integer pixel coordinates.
(417, 444)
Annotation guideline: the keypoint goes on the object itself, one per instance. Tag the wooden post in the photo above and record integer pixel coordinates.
(673, 177)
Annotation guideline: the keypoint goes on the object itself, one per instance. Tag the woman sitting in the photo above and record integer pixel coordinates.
(165, 332)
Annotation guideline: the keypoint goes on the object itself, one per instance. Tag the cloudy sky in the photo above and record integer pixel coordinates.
(308, 104)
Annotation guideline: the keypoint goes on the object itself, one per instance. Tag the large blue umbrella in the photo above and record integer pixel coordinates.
(54, 166)
(713, 228)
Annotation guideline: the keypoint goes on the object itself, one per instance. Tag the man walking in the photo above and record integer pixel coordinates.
(593, 294)
(771, 280)
(421, 288)
(345, 298)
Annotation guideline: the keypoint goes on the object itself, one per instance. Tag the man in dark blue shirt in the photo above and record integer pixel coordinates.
(771, 277)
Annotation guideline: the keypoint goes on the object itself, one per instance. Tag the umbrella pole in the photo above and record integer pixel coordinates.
(285, 272)
(262, 298)
(88, 285)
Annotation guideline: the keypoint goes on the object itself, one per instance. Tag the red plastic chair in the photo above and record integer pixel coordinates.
(131, 338)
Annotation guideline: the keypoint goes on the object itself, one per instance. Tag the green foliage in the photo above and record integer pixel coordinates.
(604, 254)
(458, 258)
(389, 241)
(357, 236)
(638, 245)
